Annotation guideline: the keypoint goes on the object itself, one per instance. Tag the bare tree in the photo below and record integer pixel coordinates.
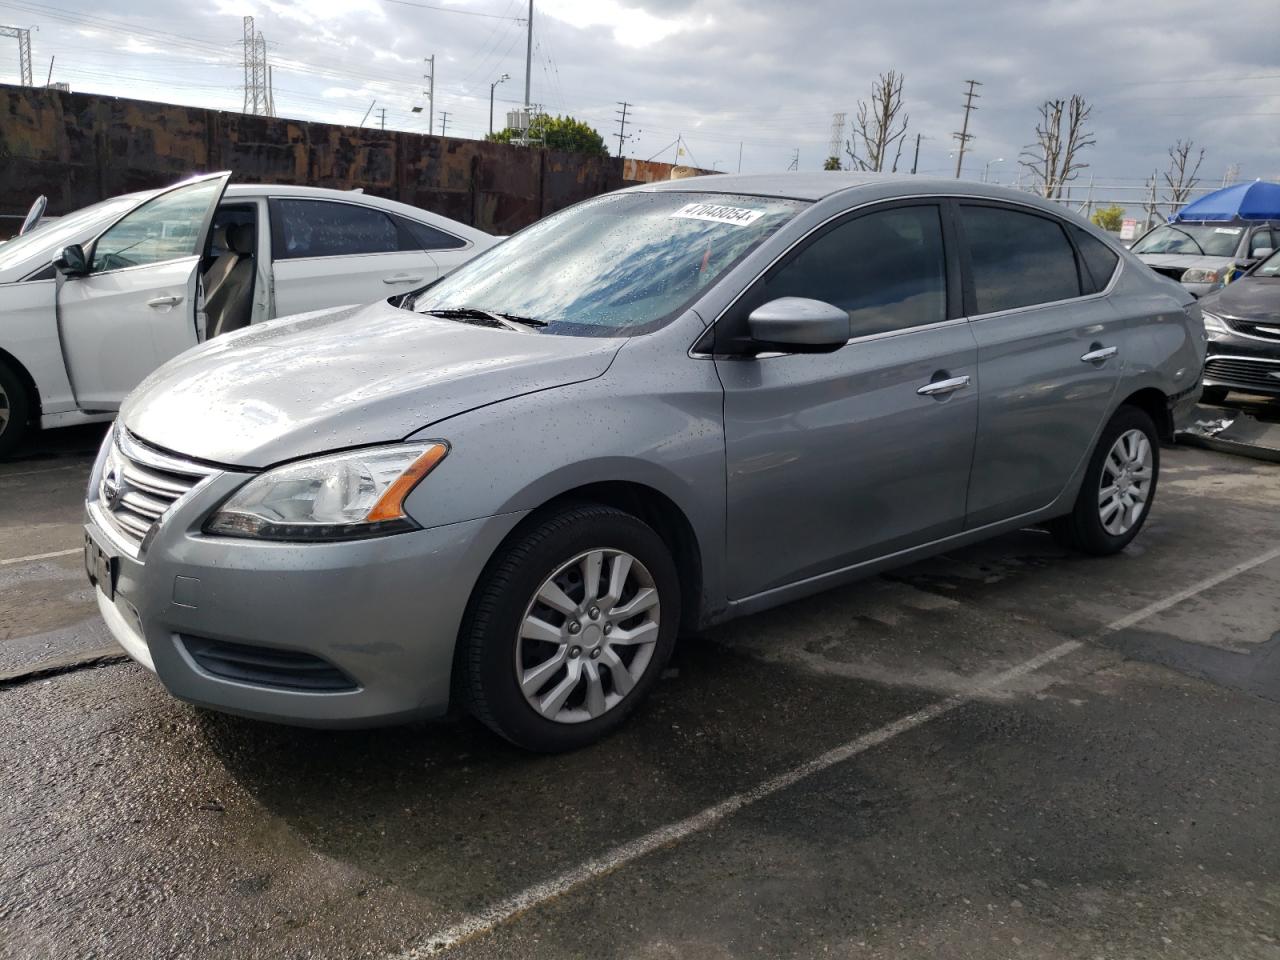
(1053, 160)
(880, 127)
(1178, 178)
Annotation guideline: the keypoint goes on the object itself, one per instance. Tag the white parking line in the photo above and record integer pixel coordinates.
(31, 473)
(493, 916)
(40, 556)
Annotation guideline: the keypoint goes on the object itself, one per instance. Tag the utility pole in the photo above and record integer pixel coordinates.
(915, 161)
(383, 112)
(431, 92)
(23, 36)
(367, 112)
(739, 156)
(622, 123)
(528, 60)
(493, 86)
(964, 136)
(444, 121)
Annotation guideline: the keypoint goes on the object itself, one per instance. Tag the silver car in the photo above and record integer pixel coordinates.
(657, 410)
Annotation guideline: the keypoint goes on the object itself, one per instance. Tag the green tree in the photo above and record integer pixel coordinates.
(557, 133)
(1109, 218)
(831, 163)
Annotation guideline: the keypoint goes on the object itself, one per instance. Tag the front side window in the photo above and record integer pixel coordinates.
(1269, 267)
(1261, 240)
(619, 265)
(163, 229)
(322, 228)
(886, 268)
(1018, 259)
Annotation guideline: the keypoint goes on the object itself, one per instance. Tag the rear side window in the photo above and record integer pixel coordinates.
(1019, 259)
(886, 268)
(1099, 261)
(423, 237)
(320, 228)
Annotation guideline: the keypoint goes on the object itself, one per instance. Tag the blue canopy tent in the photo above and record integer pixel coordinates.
(1259, 200)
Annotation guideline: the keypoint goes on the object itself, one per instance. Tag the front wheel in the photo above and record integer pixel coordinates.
(569, 628)
(1118, 488)
(15, 410)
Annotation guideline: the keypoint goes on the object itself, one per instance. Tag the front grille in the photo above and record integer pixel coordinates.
(140, 483)
(265, 667)
(1243, 371)
(1262, 330)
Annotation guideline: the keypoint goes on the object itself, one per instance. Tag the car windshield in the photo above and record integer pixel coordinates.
(1192, 240)
(1269, 267)
(53, 235)
(618, 265)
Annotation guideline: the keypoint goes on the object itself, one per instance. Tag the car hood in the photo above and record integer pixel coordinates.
(1182, 261)
(341, 378)
(1249, 298)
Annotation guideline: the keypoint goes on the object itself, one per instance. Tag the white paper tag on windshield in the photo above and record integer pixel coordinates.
(718, 213)
(1229, 231)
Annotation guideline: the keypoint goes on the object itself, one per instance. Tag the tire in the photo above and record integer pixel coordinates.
(1214, 396)
(1085, 528)
(499, 636)
(15, 410)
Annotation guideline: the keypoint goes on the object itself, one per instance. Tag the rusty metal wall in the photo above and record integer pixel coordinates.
(80, 148)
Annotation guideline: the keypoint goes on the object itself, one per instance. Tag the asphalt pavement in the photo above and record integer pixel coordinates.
(1006, 751)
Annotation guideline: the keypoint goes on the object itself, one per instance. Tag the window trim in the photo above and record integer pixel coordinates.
(703, 345)
(952, 308)
(277, 228)
(463, 242)
(970, 297)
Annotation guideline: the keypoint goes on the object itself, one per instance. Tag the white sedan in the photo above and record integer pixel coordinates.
(92, 302)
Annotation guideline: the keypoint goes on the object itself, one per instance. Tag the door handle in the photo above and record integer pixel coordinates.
(941, 388)
(158, 302)
(403, 278)
(1100, 354)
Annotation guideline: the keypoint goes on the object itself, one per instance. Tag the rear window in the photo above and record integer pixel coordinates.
(323, 228)
(1099, 260)
(1018, 259)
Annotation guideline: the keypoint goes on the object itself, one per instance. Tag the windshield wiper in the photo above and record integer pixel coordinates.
(496, 319)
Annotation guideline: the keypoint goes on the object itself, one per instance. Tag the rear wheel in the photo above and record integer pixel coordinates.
(1118, 488)
(1214, 396)
(569, 628)
(15, 410)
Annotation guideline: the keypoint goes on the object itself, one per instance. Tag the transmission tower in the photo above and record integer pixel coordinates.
(1232, 174)
(259, 99)
(837, 134)
(964, 136)
(23, 36)
(795, 160)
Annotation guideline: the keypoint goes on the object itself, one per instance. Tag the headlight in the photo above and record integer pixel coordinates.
(1214, 324)
(1201, 275)
(338, 497)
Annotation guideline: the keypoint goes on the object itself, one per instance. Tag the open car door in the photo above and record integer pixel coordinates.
(132, 299)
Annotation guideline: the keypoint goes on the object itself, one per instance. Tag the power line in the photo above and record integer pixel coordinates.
(461, 13)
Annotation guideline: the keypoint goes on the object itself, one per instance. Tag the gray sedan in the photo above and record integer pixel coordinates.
(657, 410)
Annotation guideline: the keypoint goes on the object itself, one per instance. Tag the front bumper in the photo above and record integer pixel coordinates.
(1247, 364)
(385, 612)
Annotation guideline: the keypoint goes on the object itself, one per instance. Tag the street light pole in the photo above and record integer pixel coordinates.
(492, 87)
(987, 168)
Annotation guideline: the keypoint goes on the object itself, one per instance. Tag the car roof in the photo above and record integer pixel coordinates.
(823, 184)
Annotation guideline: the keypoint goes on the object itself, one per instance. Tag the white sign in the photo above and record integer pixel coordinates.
(1128, 229)
(718, 213)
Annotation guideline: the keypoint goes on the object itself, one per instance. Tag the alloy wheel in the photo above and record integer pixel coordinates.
(587, 636)
(4, 409)
(1126, 482)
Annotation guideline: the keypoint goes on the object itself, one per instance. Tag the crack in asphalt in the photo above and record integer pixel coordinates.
(103, 657)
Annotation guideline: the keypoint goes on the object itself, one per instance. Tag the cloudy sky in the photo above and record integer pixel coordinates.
(717, 73)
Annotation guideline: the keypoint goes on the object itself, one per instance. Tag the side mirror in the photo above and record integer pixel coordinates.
(799, 325)
(72, 261)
